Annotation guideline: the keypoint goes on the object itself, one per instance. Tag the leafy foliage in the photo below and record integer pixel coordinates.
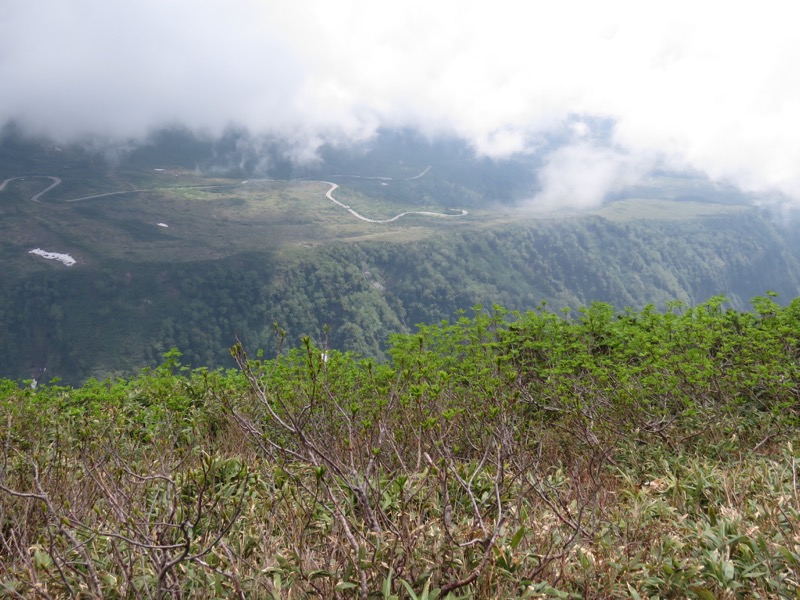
(591, 453)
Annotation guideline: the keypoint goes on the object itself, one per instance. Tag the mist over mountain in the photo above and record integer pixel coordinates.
(699, 89)
(207, 170)
(527, 179)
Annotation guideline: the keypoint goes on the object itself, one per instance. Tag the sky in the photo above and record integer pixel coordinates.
(704, 86)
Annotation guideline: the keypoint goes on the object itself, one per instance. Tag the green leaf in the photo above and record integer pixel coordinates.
(319, 573)
(634, 594)
(727, 570)
(411, 593)
(42, 559)
(790, 556)
(345, 585)
(703, 593)
(517, 537)
(386, 588)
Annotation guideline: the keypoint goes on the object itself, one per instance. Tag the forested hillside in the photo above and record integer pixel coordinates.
(603, 454)
(122, 315)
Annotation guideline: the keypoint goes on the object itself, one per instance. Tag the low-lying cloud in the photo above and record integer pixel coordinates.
(711, 87)
(581, 175)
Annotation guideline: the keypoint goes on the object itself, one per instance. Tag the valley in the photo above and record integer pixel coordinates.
(169, 255)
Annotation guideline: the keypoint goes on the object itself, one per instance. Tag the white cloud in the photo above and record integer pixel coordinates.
(580, 175)
(710, 86)
(117, 69)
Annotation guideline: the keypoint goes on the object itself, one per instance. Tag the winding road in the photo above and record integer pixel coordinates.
(420, 175)
(184, 187)
(329, 194)
(56, 181)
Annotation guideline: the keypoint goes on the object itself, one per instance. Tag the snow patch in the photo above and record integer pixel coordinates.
(64, 258)
(162, 224)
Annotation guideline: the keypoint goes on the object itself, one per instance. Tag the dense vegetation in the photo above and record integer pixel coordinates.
(122, 315)
(591, 453)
